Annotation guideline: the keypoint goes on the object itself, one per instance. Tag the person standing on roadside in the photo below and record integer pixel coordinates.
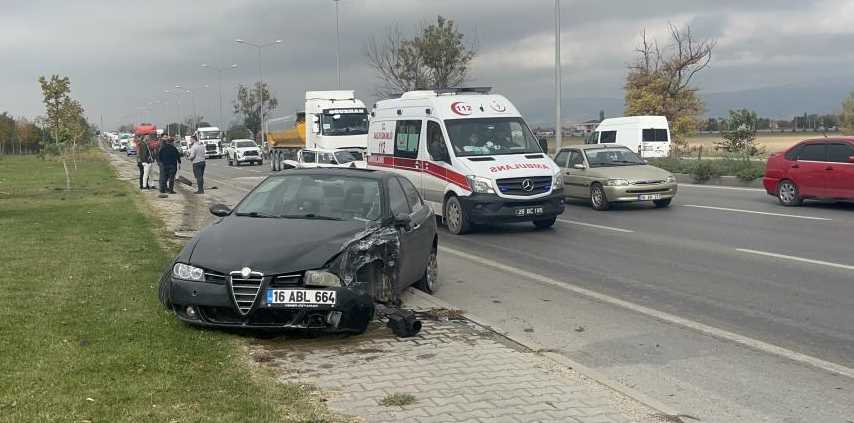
(170, 159)
(197, 156)
(145, 159)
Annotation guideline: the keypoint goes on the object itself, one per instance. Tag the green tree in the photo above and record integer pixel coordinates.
(437, 57)
(846, 119)
(247, 105)
(238, 132)
(741, 133)
(65, 117)
(659, 81)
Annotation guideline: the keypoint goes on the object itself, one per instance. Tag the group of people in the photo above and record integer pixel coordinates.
(162, 151)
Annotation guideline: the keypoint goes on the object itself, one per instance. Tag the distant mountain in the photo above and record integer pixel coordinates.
(781, 102)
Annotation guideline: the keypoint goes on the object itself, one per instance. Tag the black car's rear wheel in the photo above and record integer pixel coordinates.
(427, 283)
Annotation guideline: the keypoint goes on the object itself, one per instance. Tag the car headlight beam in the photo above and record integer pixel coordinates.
(187, 272)
(321, 278)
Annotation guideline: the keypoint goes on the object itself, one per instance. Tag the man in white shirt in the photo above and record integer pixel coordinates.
(196, 154)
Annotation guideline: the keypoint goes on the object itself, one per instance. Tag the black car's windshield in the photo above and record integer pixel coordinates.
(327, 197)
(491, 136)
(616, 156)
(348, 156)
(345, 124)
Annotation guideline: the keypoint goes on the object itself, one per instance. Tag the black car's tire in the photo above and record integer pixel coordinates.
(598, 199)
(545, 223)
(664, 202)
(427, 283)
(163, 292)
(788, 194)
(455, 216)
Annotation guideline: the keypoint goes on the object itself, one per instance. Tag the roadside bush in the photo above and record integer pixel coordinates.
(705, 170)
(750, 172)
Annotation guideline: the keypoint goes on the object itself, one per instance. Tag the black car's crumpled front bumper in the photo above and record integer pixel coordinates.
(490, 208)
(212, 304)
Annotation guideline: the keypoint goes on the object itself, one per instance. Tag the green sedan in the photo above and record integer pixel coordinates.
(609, 174)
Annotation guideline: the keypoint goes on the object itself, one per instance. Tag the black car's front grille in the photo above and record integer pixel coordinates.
(525, 186)
(250, 153)
(245, 290)
(287, 280)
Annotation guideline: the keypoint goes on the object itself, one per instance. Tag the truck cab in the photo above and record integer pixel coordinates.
(471, 155)
(211, 137)
(337, 120)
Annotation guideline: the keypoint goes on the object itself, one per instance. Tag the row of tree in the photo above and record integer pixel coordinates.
(19, 135)
(807, 122)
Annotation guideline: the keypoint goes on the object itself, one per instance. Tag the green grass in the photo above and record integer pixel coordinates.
(82, 336)
(398, 400)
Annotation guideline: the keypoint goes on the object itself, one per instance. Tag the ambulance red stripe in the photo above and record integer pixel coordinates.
(422, 166)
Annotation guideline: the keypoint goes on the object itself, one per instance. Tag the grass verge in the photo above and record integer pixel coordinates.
(82, 336)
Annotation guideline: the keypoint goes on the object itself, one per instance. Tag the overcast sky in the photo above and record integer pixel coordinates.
(122, 55)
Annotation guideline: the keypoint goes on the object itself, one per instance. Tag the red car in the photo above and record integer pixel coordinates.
(814, 169)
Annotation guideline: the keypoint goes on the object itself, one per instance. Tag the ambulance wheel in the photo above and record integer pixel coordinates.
(455, 216)
(545, 223)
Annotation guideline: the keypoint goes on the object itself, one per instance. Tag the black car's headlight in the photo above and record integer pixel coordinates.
(187, 272)
(321, 278)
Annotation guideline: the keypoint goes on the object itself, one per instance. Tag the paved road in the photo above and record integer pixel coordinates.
(714, 306)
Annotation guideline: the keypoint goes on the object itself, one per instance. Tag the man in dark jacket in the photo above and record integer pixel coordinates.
(170, 159)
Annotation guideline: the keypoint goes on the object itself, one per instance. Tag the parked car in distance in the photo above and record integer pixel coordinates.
(607, 174)
(243, 151)
(306, 249)
(131, 147)
(821, 169)
(308, 158)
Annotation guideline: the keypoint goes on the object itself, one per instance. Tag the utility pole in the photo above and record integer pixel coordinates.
(558, 128)
(337, 44)
(222, 125)
(260, 81)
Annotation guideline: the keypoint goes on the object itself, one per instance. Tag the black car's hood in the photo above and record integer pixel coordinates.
(271, 246)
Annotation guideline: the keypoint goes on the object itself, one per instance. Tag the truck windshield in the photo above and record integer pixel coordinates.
(491, 136)
(344, 124)
(209, 135)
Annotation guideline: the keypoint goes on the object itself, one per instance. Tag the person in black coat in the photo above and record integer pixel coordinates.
(170, 158)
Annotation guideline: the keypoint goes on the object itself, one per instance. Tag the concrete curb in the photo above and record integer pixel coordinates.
(724, 181)
(558, 359)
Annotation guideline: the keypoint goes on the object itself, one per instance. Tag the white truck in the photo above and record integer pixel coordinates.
(332, 120)
(211, 137)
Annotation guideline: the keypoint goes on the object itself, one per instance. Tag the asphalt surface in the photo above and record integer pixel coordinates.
(728, 259)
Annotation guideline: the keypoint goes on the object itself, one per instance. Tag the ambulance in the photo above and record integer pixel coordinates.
(470, 153)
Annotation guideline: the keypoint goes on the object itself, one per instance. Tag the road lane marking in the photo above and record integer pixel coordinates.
(722, 187)
(590, 225)
(663, 316)
(801, 259)
(795, 216)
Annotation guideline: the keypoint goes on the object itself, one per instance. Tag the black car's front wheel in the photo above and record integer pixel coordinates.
(427, 283)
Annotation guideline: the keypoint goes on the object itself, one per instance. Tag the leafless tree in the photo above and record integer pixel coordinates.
(679, 62)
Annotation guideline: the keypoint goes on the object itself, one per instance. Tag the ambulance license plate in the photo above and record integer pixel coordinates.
(529, 211)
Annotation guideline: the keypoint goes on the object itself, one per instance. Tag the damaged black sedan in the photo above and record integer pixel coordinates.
(307, 249)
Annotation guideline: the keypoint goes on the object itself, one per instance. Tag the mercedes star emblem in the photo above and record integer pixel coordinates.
(527, 185)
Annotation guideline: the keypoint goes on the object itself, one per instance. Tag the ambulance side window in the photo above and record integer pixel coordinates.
(436, 142)
(406, 138)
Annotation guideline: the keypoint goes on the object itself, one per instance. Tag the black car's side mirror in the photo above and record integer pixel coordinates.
(220, 210)
(402, 221)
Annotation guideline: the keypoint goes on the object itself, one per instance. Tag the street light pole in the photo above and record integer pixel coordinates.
(558, 129)
(337, 44)
(219, 71)
(260, 47)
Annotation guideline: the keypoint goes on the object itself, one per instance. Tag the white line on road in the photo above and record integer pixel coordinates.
(721, 187)
(590, 225)
(756, 212)
(801, 259)
(667, 317)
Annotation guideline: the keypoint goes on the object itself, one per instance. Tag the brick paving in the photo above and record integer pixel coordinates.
(456, 370)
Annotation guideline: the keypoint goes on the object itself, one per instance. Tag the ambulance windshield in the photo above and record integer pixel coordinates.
(491, 137)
